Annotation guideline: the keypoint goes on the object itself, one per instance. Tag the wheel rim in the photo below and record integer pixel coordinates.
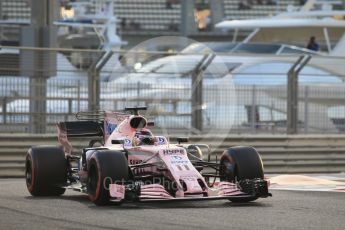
(28, 173)
(227, 170)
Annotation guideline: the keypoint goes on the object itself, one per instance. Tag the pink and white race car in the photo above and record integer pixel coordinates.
(125, 162)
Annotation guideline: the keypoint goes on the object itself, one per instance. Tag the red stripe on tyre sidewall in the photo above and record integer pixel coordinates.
(98, 188)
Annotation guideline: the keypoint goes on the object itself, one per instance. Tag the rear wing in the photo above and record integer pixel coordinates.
(99, 124)
(81, 128)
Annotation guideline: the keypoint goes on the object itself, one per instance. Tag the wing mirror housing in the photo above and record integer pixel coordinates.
(182, 140)
(116, 142)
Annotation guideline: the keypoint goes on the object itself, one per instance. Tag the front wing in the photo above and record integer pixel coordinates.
(255, 188)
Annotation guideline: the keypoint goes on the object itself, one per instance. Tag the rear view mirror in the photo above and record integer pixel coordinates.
(151, 123)
(182, 140)
(116, 142)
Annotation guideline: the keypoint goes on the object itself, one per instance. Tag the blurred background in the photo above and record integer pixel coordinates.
(260, 72)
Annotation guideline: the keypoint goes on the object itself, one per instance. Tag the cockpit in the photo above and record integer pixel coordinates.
(143, 137)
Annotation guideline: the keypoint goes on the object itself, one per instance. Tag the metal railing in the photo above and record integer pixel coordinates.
(251, 100)
(280, 153)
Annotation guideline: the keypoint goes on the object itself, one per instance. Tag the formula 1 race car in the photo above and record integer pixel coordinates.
(126, 162)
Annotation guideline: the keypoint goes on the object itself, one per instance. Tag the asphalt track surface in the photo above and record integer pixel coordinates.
(285, 210)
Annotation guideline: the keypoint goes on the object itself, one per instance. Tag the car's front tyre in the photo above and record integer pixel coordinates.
(238, 164)
(105, 167)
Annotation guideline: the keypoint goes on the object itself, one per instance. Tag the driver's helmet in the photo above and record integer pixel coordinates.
(143, 138)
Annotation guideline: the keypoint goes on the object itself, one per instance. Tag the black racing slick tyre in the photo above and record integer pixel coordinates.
(105, 167)
(241, 163)
(45, 171)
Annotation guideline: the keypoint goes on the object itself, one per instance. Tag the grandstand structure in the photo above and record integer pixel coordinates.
(142, 19)
(15, 9)
(152, 15)
(258, 9)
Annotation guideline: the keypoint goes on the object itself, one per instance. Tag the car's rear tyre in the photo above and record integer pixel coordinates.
(105, 167)
(238, 164)
(45, 171)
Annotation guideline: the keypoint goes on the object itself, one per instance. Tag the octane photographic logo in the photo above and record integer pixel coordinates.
(158, 73)
(167, 184)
